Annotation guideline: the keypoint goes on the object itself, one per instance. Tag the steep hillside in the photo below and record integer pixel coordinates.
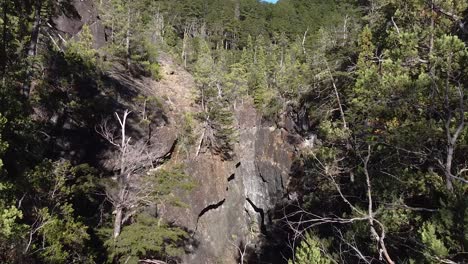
(233, 131)
(234, 201)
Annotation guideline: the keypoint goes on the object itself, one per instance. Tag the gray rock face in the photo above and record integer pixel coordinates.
(79, 13)
(231, 205)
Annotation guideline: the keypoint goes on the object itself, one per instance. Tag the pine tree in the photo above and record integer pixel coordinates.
(236, 80)
(259, 75)
(132, 33)
(218, 134)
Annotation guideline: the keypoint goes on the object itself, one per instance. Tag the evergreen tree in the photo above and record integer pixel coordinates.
(409, 113)
(218, 133)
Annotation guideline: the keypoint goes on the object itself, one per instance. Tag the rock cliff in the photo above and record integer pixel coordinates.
(231, 209)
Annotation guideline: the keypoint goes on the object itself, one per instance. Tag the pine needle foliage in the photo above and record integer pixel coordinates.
(148, 238)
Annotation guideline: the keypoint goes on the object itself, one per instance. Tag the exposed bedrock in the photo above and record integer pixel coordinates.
(231, 205)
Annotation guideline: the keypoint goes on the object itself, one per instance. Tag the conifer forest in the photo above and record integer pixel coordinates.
(234, 131)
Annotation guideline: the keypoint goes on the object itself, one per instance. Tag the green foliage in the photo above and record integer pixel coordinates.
(406, 104)
(10, 228)
(57, 186)
(148, 57)
(217, 115)
(187, 137)
(266, 41)
(236, 80)
(258, 82)
(60, 181)
(147, 237)
(310, 251)
(132, 37)
(204, 67)
(149, 108)
(333, 131)
(434, 245)
(402, 90)
(80, 53)
(64, 236)
(166, 182)
(154, 70)
(8, 221)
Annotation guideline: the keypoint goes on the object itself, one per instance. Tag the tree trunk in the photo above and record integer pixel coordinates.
(370, 211)
(431, 40)
(119, 208)
(452, 138)
(118, 222)
(184, 47)
(304, 38)
(237, 10)
(345, 30)
(127, 40)
(32, 47)
(4, 39)
(448, 168)
(345, 126)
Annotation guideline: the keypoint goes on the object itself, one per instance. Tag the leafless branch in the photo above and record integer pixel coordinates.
(242, 251)
(152, 261)
(337, 96)
(352, 246)
(132, 160)
(396, 26)
(308, 220)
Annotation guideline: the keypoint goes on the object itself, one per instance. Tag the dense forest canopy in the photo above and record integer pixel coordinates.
(380, 88)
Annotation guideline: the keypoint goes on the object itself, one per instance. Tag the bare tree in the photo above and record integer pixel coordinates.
(242, 249)
(338, 100)
(308, 220)
(133, 160)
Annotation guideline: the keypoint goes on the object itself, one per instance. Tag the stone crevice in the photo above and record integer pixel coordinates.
(232, 177)
(260, 173)
(209, 208)
(261, 212)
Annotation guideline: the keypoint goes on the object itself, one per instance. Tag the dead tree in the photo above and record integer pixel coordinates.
(132, 160)
(308, 220)
(242, 249)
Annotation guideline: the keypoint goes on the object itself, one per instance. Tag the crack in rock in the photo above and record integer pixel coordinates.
(259, 172)
(262, 215)
(282, 182)
(209, 208)
(232, 177)
(261, 176)
(164, 157)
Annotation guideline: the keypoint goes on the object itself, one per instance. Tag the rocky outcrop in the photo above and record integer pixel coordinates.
(232, 204)
(231, 207)
(74, 15)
